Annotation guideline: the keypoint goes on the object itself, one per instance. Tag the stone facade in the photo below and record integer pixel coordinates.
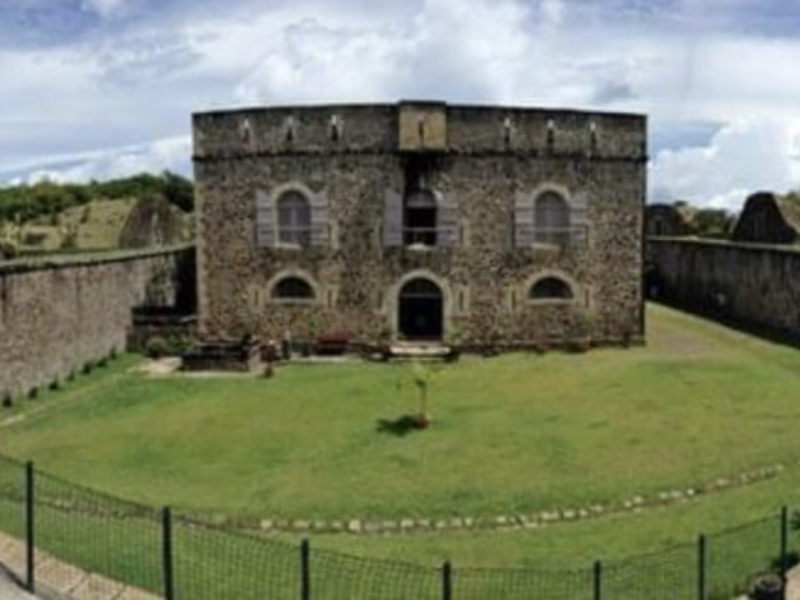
(769, 219)
(58, 314)
(753, 285)
(486, 167)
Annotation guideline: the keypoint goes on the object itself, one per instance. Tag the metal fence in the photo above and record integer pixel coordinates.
(175, 556)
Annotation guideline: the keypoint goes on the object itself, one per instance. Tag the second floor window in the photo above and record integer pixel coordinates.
(420, 218)
(552, 219)
(294, 219)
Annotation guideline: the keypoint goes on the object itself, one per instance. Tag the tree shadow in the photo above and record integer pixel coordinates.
(399, 427)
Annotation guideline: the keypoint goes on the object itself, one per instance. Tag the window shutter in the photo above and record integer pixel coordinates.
(320, 220)
(265, 220)
(392, 219)
(524, 220)
(578, 218)
(447, 221)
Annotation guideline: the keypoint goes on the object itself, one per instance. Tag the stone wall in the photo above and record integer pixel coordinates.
(598, 158)
(58, 314)
(753, 284)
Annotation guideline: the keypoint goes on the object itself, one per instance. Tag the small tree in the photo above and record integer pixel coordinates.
(419, 375)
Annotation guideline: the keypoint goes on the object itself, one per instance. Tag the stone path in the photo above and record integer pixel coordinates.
(60, 579)
(9, 590)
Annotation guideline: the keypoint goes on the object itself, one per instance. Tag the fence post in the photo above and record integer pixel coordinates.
(447, 581)
(30, 542)
(305, 570)
(784, 543)
(598, 580)
(701, 567)
(166, 538)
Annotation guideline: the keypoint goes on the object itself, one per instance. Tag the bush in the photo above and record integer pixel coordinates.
(8, 401)
(8, 250)
(33, 393)
(157, 347)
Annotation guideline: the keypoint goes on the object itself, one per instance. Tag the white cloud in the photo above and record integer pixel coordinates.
(140, 84)
(102, 7)
(743, 157)
(553, 11)
(170, 154)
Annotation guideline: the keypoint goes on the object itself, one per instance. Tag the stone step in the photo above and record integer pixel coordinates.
(419, 351)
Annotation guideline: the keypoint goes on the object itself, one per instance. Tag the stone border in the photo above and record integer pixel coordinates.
(517, 521)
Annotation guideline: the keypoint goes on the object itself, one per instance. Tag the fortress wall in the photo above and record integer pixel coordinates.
(755, 285)
(57, 314)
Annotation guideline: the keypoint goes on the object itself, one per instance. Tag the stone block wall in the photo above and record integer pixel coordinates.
(599, 158)
(753, 284)
(58, 314)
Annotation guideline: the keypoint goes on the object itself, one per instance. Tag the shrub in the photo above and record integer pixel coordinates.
(157, 347)
(33, 393)
(8, 249)
(87, 368)
(55, 385)
(8, 401)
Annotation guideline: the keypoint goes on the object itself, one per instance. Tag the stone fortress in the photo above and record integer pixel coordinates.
(425, 221)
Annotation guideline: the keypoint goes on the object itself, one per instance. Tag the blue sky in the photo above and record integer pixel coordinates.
(103, 88)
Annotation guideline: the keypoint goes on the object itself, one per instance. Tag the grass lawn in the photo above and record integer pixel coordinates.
(518, 433)
(511, 434)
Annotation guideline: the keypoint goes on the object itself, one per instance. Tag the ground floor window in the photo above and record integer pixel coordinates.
(292, 288)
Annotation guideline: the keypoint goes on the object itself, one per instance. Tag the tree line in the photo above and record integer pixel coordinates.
(22, 203)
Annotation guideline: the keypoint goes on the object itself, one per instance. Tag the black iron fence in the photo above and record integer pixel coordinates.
(175, 556)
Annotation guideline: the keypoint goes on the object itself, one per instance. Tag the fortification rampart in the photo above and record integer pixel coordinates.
(756, 285)
(57, 314)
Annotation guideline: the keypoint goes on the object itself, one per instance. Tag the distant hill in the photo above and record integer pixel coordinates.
(140, 211)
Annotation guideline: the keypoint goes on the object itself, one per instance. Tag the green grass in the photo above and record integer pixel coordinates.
(98, 223)
(512, 434)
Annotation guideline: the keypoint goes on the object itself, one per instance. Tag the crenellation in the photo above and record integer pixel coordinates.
(376, 128)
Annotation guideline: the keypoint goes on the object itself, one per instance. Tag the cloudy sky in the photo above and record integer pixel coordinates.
(102, 88)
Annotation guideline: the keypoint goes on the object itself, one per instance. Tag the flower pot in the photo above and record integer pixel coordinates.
(421, 421)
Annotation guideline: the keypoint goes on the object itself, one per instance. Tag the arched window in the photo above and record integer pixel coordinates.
(552, 219)
(292, 288)
(294, 219)
(419, 218)
(550, 288)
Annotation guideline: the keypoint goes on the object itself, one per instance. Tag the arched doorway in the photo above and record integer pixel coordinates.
(421, 310)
